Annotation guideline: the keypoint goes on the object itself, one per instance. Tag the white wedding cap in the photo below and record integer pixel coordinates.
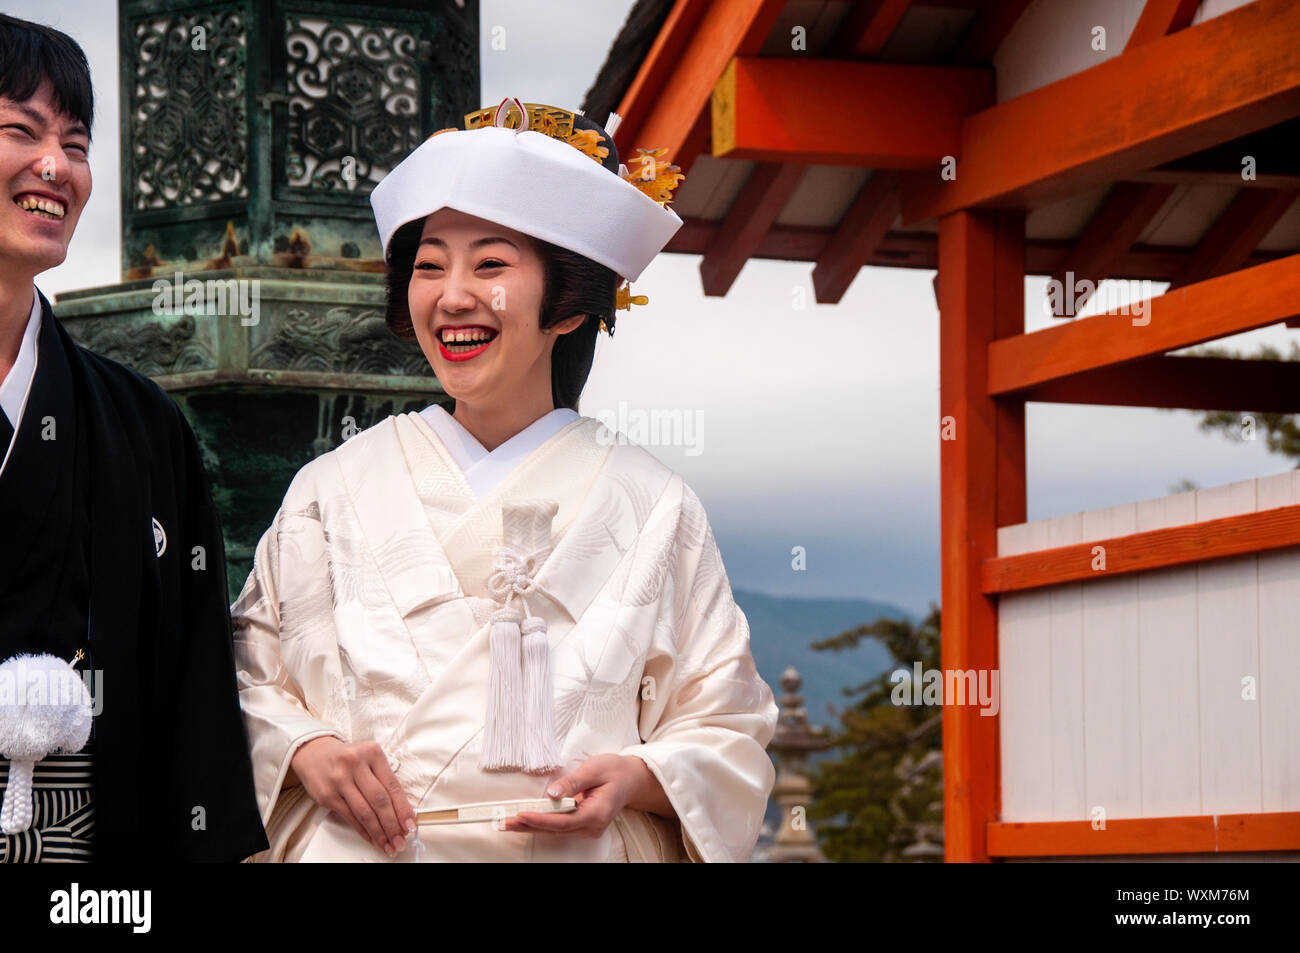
(532, 183)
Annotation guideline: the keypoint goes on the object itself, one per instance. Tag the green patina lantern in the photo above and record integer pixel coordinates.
(253, 280)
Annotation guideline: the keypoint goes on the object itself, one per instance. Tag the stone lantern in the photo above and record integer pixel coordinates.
(252, 278)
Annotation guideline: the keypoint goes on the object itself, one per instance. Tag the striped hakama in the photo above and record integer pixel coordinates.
(63, 811)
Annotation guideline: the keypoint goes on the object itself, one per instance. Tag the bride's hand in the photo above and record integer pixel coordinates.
(602, 785)
(355, 782)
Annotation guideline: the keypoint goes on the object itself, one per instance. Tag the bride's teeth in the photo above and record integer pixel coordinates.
(466, 337)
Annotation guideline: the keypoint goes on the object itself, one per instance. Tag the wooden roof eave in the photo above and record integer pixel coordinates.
(676, 79)
(1196, 88)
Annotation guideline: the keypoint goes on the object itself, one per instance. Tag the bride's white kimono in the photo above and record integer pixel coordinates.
(367, 617)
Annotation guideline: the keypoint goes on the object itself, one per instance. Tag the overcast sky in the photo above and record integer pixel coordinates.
(819, 426)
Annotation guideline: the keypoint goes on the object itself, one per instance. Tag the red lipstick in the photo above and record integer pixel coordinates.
(464, 355)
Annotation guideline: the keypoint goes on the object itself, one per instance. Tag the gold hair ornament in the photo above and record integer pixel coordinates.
(650, 175)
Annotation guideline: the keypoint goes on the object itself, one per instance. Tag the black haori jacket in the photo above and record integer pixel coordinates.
(109, 541)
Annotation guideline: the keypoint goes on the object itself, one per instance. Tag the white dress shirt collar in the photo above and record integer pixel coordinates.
(17, 383)
(485, 469)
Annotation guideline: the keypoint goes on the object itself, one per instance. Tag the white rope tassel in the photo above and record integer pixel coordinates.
(503, 734)
(50, 713)
(520, 730)
(541, 754)
(507, 736)
(16, 814)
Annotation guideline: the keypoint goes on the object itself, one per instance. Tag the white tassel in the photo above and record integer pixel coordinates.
(503, 731)
(519, 731)
(541, 754)
(16, 814)
(50, 714)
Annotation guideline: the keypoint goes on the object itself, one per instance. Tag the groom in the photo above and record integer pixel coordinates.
(110, 549)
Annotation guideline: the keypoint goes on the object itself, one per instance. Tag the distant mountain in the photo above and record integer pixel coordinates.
(781, 628)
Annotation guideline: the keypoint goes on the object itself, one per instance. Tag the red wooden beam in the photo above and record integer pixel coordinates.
(1241, 535)
(1182, 383)
(1141, 262)
(987, 31)
(1202, 86)
(677, 76)
(1159, 18)
(751, 215)
(1232, 178)
(1207, 833)
(698, 142)
(921, 250)
(856, 238)
(1241, 301)
(868, 27)
(981, 471)
(1008, 279)
(1237, 232)
(792, 110)
(1114, 228)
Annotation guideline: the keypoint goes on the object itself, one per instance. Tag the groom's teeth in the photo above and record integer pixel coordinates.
(34, 204)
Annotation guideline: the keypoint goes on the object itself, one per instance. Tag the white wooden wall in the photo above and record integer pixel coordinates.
(1126, 693)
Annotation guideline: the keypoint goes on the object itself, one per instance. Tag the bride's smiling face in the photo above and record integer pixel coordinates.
(475, 300)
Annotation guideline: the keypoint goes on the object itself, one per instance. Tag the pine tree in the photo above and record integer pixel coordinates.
(1281, 431)
(885, 794)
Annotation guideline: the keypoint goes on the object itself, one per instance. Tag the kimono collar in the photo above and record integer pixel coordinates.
(629, 483)
(483, 468)
(17, 384)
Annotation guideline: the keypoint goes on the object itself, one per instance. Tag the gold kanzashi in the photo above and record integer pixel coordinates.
(588, 142)
(625, 299)
(549, 120)
(656, 179)
(646, 172)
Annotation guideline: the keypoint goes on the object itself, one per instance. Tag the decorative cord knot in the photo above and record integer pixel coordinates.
(519, 728)
(513, 575)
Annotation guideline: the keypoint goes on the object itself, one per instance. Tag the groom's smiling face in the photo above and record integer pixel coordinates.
(45, 171)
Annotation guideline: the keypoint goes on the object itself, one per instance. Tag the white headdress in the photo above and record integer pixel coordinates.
(543, 171)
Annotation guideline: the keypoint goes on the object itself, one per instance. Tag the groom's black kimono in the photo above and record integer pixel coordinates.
(109, 542)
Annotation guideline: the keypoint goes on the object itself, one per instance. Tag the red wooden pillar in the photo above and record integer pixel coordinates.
(982, 486)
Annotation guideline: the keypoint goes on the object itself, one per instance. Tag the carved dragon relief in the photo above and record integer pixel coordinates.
(339, 340)
(148, 347)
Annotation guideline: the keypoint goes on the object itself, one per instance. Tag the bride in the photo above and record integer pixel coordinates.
(452, 614)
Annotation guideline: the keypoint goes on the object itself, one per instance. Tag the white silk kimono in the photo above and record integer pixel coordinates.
(367, 617)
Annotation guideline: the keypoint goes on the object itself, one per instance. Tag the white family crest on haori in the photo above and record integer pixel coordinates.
(390, 603)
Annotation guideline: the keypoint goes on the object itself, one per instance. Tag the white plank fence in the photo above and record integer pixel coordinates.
(1126, 694)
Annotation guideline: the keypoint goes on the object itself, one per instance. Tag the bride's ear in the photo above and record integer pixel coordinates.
(568, 324)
